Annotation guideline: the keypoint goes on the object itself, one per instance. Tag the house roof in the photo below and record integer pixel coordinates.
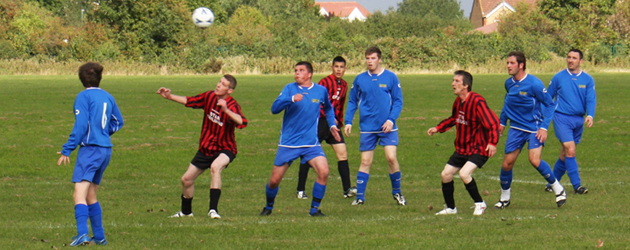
(488, 6)
(487, 29)
(342, 9)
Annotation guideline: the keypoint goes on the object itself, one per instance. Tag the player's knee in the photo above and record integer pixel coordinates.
(187, 182)
(216, 169)
(535, 162)
(446, 175)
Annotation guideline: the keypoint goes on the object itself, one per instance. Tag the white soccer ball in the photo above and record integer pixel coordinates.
(203, 17)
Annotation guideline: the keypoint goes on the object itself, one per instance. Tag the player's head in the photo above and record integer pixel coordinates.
(516, 62)
(373, 58)
(577, 51)
(231, 79)
(574, 60)
(339, 67)
(90, 74)
(372, 50)
(303, 72)
(465, 77)
(225, 86)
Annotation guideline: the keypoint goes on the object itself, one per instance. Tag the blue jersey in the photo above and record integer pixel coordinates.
(299, 124)
(96, 118)
(379, 99)
(527, 105)
(574, 94)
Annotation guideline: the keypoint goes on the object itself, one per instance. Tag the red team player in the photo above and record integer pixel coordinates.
(477, 137)
(217, 145)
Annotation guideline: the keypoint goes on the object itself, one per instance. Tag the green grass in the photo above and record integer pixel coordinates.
(141, 186)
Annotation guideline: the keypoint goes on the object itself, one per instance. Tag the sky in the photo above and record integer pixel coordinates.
(383, 5)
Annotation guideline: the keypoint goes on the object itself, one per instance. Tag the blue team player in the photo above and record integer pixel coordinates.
(574, 92)
(378, 96)
(97, 117)
(529, 108)
(301, 102)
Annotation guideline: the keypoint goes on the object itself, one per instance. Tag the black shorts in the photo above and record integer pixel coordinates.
(201, 161)
(324, 134)
(458, 160)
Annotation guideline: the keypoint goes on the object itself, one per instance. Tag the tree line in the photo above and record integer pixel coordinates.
(423, 34)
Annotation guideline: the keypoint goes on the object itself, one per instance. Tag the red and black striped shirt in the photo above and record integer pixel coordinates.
(217, 131)
(337, 91)
(477, 126)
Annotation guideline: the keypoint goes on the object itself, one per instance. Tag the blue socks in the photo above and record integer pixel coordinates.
(362, 181)
(545, 170)
(271, 196)
(96, 219)
(558, 169)
(572, 171)
(81, 215)
(506, 179)
(319, 191)
(395, 178)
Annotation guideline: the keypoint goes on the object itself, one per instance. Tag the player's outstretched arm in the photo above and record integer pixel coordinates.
(166, 93)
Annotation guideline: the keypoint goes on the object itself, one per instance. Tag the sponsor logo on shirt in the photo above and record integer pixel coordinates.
(522, 92)
(314, 100)
(461, 120)
(383, 85)
(215, 117)
(582, 86)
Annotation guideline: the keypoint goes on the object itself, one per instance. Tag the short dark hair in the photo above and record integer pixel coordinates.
(230, 79)
(90, 74)
(467, 78)
(576, 50)
(372, 50)
(309, 66)
(339, 59)
(520, 58)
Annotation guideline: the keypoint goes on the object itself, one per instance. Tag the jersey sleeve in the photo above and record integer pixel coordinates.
(449, 122)
(81, 123)
(328, 109)
(237, 110)
(591, 98)
(116, 120)
(397, 100)
(553, 87)
(198, 101)
(547, 108)
(283, 100)
(352, 102)
(489, 121)
(326, 85)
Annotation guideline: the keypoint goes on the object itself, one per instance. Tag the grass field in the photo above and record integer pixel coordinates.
(141, 187)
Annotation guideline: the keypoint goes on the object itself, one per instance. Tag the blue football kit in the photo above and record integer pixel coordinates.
(96, 118)
(379, 99)
(298, 136)
(575, 97)
(528, 107)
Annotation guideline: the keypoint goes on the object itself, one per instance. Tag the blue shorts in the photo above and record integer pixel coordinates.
(288, 155)
(91, 163)
(568, 127)
(368, 140)
(517, 138)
